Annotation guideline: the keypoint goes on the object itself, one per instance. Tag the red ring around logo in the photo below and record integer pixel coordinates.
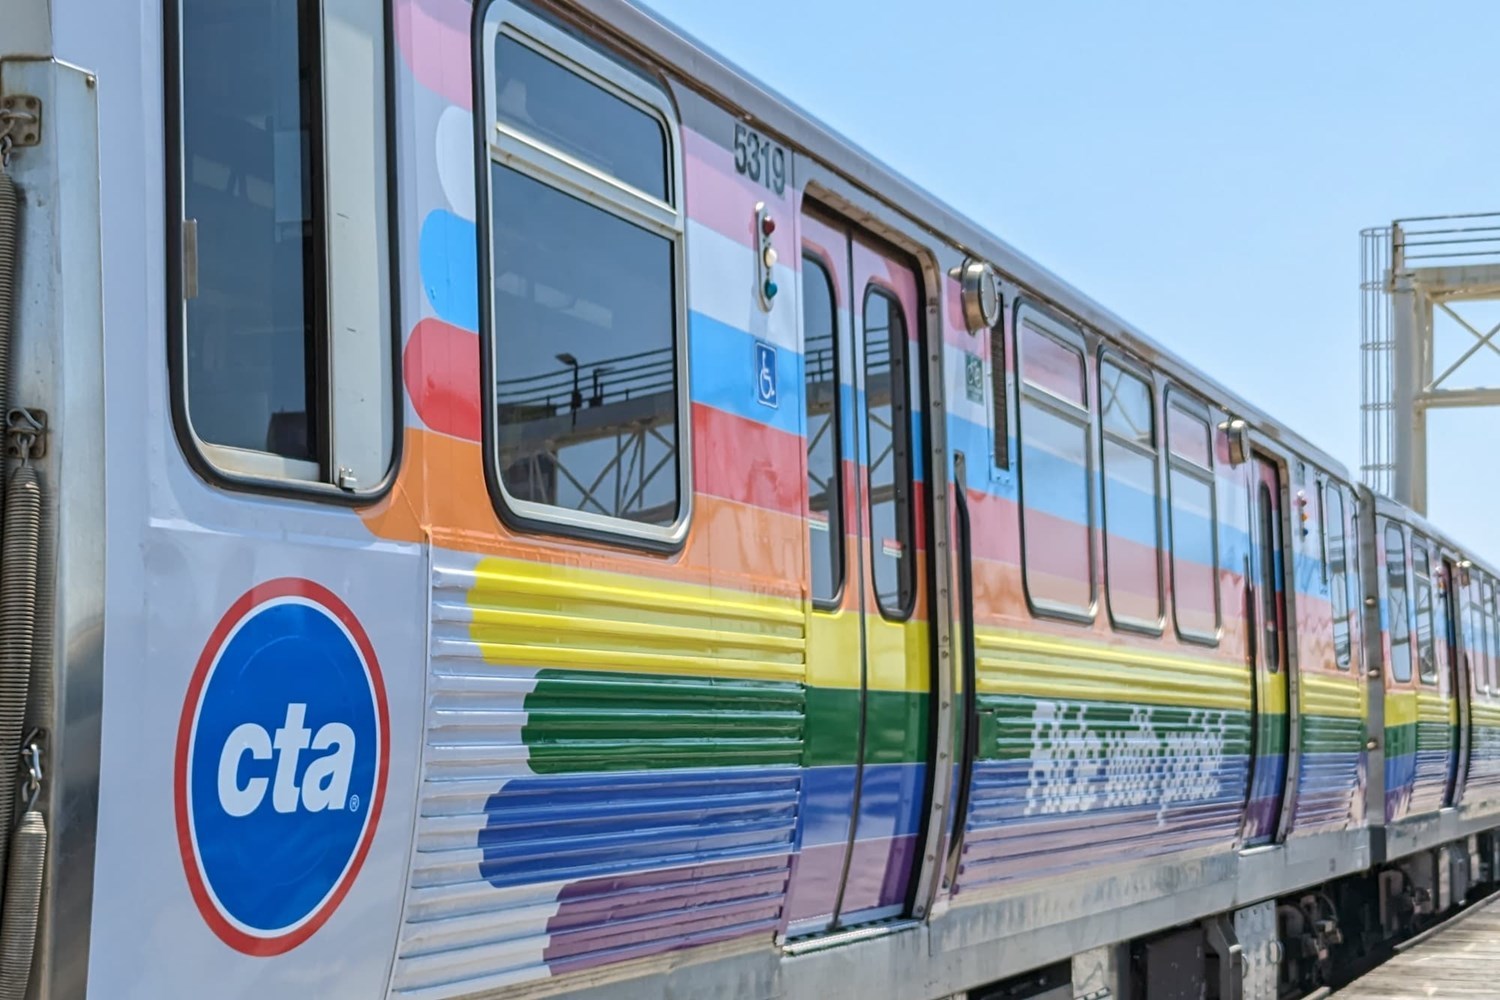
(251, 944)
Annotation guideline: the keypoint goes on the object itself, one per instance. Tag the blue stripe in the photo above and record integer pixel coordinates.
(723, 371)
(448, 256)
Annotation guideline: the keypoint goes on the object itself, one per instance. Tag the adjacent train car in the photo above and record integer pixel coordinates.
(500, 504)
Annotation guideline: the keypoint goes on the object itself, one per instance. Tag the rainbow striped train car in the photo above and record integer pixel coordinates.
(500, 504)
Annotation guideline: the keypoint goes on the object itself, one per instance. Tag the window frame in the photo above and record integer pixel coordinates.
(1492, 618)
(1408, 627)
(836, 420)
(1072, 339)
(267, 473)
(1128, 365)
(1183, 399)
(1327, 490)
(535, 159)
(1420, 544)
(904, 465)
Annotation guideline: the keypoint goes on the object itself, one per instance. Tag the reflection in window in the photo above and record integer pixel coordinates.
(585, 335)
(1476, 644)
(1426, 651)
(1492, 633)
(1270, 580)
(888, 419)
(584, 296)
(1132, 539)
(251, 101)
(579, 118)
(1338, 574)
(1396, 599)
(825, 522)
(1056, 512)
(1195, 556)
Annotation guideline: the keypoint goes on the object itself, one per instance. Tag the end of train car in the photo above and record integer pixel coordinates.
(499, 503)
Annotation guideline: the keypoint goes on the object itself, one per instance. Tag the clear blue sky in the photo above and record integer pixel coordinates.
(1203, 169)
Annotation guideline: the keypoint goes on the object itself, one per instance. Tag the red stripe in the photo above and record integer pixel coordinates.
(441, 371)
(753, 463)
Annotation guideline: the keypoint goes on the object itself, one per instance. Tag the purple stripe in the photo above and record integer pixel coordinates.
(879, 872)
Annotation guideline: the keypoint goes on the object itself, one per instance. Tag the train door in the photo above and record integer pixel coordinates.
(1456, 670)
(1267, 621)
(869, 660)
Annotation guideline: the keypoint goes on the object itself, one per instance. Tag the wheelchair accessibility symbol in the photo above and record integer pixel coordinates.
(765, 374)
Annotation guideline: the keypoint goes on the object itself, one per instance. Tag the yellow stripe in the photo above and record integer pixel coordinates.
(1433, 707)
(1040, 666)
(1485, 713)
(1341, 696)
(833, 649)
(542, 615)
(1400, 708)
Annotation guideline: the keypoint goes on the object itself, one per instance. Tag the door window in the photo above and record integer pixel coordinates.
(1270, 578)
(1397, 603)
(888, 419)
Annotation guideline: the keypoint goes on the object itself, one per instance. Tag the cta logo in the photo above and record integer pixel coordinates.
(282, 753)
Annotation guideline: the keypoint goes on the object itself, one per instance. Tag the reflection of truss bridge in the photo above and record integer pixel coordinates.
(597, 437)
(1416, 271)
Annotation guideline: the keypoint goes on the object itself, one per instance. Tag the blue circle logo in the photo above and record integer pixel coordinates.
(282, 753)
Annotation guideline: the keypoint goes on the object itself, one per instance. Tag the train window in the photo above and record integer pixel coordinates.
(1132, 520)
(1476, 644)
(825, 520)
(888, 422)
(1056, 496)
(1191, 519)
(1426, 645)
(1337, 560)
(283, 347)
(1399, 618)
(586, 288)
(1270, 579)
(1492, 632)
(999, 397)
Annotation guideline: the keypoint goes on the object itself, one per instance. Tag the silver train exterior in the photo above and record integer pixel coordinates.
(500, 503)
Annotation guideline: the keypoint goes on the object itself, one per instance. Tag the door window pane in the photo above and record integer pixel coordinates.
(1396, 603)
(888, 422)
(251, 162)
(1426, 646)
(1492, 633)
(1270, 580)
(825, 522)
(1338, 574)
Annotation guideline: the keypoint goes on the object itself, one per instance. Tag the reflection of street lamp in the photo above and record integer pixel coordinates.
(572, 362)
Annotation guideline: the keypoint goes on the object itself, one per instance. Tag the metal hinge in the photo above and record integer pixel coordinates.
(20, 123)
(26, 433)
(189, 259)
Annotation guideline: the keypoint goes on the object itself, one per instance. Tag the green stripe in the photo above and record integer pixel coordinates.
(1013, 728)
(1401, 741)
(1332, 734)
(896, 727)
(587, 721)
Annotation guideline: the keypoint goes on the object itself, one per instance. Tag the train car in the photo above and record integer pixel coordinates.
(501, 504)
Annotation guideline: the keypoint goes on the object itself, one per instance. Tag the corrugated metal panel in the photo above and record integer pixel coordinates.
(1126, 767)
(575, 818)
(1329, 786)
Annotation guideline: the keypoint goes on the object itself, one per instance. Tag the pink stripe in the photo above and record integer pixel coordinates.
(433, 36)
(722, 200)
